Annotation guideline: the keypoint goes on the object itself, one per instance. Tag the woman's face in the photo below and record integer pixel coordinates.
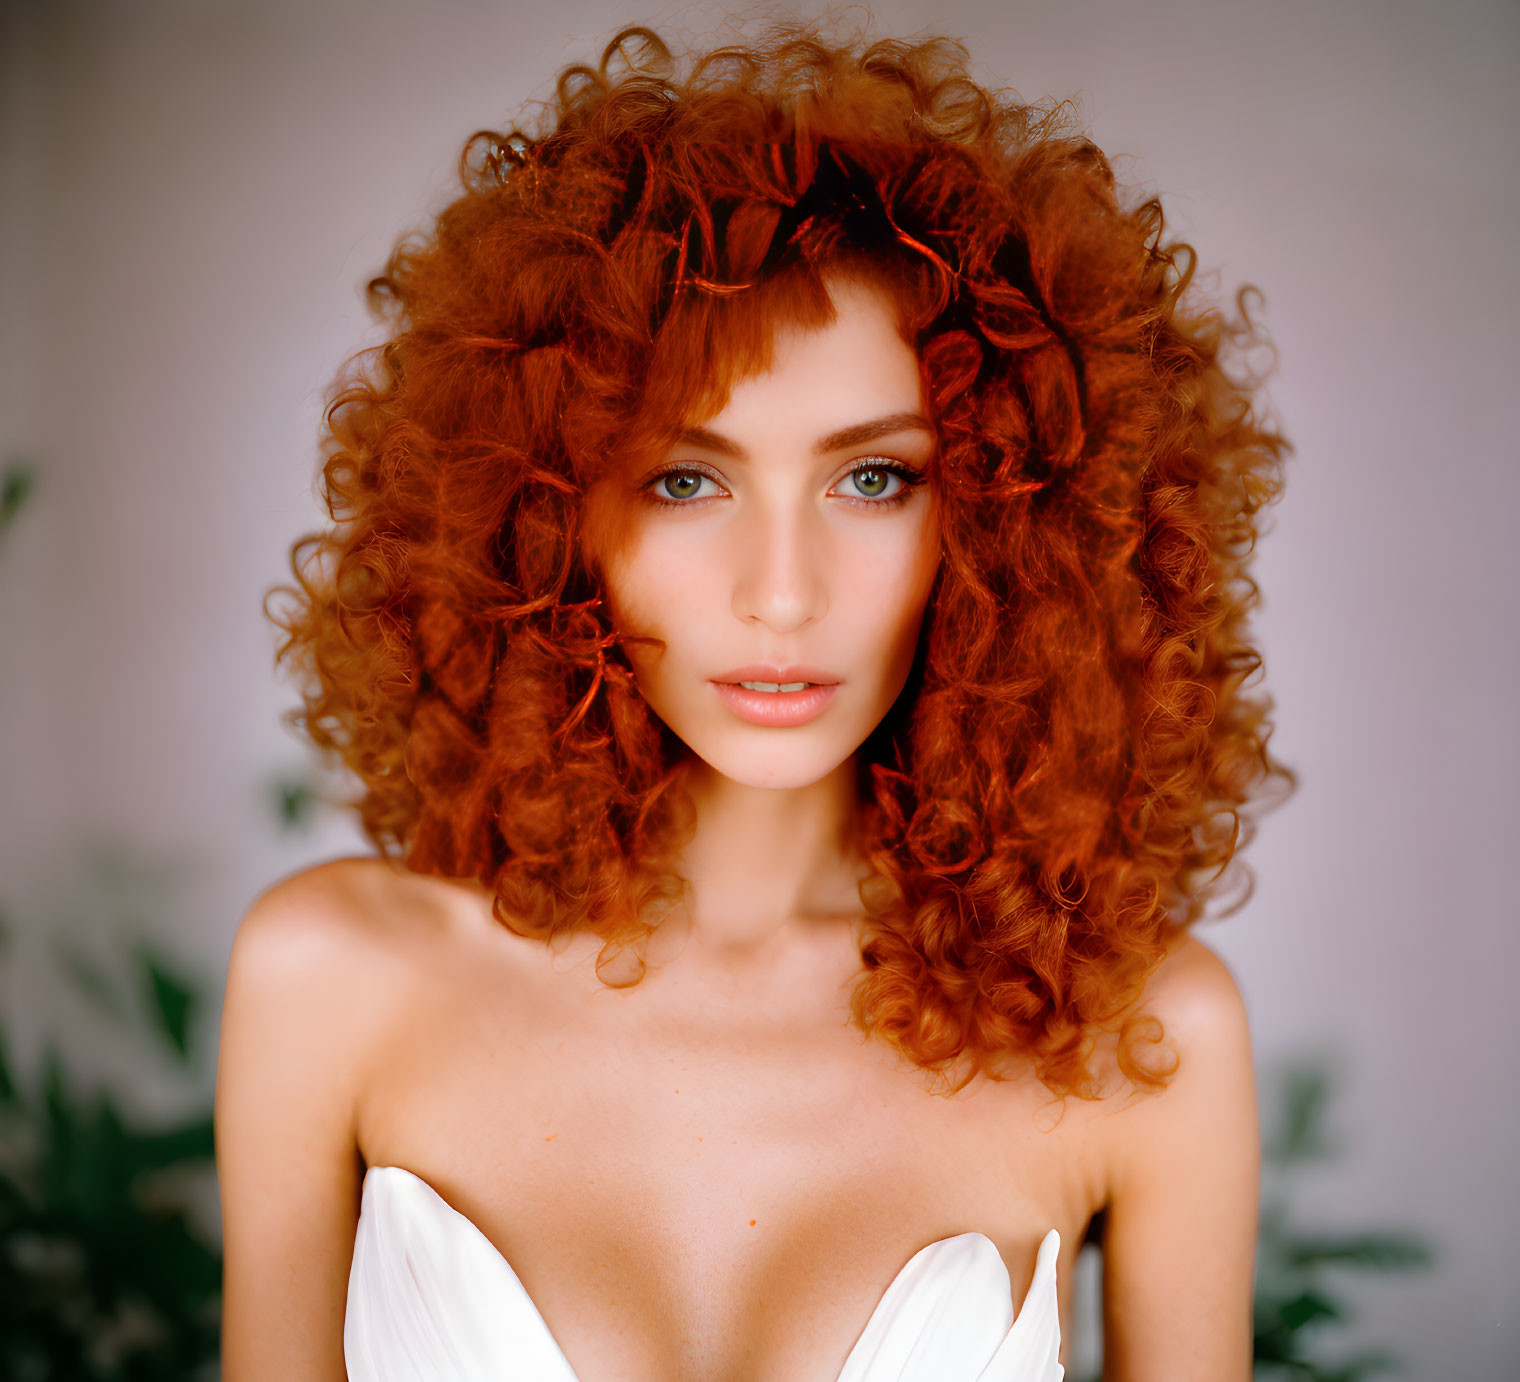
(787, 533)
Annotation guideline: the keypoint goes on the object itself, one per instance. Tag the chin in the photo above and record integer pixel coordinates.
(752, 774)
(775, 758)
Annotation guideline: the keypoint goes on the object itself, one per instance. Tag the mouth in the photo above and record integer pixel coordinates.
(777, 704)
(774, 680)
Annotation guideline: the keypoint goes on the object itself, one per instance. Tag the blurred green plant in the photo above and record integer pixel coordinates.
(1296, 1299)
(104, 1276)
(15, 485)
(295, 800)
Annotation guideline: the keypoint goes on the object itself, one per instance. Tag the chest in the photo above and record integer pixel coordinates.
(697, 1198)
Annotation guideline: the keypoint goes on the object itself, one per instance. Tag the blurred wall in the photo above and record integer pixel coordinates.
(192, 194)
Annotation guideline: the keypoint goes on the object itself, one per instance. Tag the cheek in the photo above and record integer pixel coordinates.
(649, 593)
(889, 583)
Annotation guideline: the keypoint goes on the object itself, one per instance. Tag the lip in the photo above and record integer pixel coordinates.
(780, 675)
(776, 708)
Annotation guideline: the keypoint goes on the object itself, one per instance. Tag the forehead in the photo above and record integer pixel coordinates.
(860, 341)
(825, 377)
(793, 374)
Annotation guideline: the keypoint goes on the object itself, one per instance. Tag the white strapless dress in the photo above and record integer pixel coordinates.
(431, 1300)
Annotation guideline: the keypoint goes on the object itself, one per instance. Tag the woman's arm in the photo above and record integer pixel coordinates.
(293, 1025)
(1179, 1246)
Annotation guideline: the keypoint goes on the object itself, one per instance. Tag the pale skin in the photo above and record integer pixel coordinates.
(712, 1175)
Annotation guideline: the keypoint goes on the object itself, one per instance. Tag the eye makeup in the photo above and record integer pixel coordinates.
(908, 476)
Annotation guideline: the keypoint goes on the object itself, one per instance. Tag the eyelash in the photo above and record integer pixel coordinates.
(910, 478)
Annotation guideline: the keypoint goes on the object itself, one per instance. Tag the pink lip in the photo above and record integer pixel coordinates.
(777, 708)
(780, 675)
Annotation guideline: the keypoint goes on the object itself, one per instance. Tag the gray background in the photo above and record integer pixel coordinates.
(193, 194)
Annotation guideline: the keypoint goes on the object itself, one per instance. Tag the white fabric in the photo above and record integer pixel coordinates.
(431, 1300)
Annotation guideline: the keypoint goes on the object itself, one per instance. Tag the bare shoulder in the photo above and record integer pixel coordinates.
(316, 978)
(311, 982)
(1197, 1000)
(1194, 1007)
(326, 904)
(299, 963)
(1184, 1170)
(295, 922)
(344, 956)
(348, 921)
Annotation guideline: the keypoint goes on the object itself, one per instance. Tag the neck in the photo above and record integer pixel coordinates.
(768, 865)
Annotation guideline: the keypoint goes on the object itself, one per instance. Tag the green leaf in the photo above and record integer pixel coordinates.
(1293, 1369)
(173, 1000)
(1307, 1308)
(17, 485)
(8, 1094)
(90, 980)
(1362, 1365)
(104, 1274)
(60, 1131)
(294, 801)
(1378, 1252)
(100, 1170)
(1274, 1342)
(145, 1152)
(1301, 1136)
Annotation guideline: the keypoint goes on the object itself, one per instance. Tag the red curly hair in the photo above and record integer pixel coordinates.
(1060, 785)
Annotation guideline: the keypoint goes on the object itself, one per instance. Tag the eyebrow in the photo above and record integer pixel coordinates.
(854, 435)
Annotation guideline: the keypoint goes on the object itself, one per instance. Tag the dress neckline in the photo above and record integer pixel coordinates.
(958, 1249)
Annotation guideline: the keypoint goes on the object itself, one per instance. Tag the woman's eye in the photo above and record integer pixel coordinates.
(680, 484)
(676, 488)
(873, 479)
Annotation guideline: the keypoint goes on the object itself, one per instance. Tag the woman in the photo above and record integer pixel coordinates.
(785, 607)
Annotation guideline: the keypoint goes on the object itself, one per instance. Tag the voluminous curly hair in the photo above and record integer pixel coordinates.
(1060, 786)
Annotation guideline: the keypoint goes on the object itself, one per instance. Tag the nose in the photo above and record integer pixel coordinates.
(781, 570)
